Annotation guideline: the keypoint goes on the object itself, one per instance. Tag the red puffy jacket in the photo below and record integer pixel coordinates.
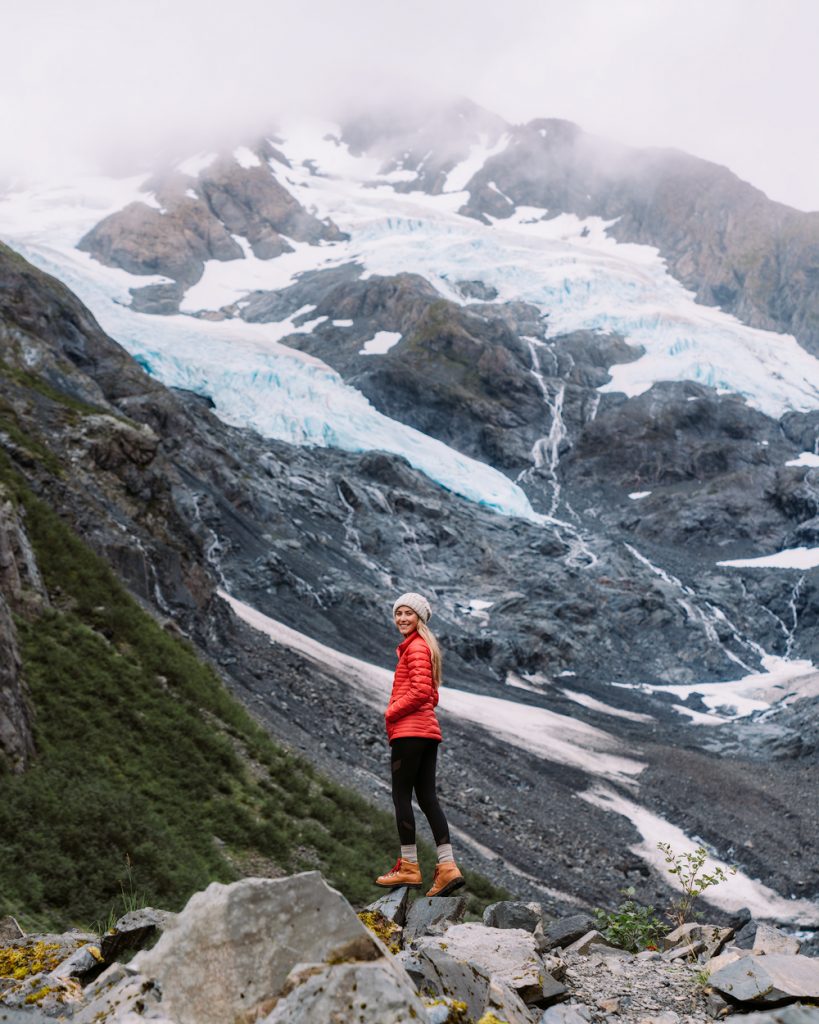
(414, 694)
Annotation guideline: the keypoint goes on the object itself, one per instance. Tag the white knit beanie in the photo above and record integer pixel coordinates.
(417, 602)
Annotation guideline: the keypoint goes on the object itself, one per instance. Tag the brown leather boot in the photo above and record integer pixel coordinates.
(447, 879)
(403, 873)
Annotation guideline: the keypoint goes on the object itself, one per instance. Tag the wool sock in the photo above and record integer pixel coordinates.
(445, 853)
(410, 853)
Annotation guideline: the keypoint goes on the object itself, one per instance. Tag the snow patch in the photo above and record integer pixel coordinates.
(782, 682)
(636, 495)
(736, 892)
(380, 344)
(598, 705)
(195, 164)
(460, 175)
(246, 158)
(342, 323)
(790, 558)
(805, 459)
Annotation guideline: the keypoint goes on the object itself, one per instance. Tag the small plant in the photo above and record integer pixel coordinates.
(131, 899)
(631, 926)
(688, 867)
(703, 977)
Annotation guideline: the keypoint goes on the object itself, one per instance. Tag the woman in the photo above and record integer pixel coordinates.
(414, 735)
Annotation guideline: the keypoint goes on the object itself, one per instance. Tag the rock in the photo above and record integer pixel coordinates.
(444, 1010)
(728, 955)
(611, 1005)
(445, 976)
(771, 940)
(393, 905)
(649, 954)
(373, 991)
(767, 979)
(509, 914)
(666, 1017)
(686, 951)
(383, 928)
(796, 1013)
(134, 930)
(744, 938)
(10, 931)
(716, 1006)
(233, 946)
(585, 942)
(566, 1013)
(82, 961)
(130, 999)
(431, 915)
(710, 937)
(565, 931)
(508, 955)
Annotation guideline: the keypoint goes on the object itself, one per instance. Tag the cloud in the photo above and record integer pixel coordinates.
(120, 82)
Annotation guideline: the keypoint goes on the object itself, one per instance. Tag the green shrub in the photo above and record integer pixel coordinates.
(631, 926)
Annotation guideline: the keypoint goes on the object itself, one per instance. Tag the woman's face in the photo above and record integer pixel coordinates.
(406, 620)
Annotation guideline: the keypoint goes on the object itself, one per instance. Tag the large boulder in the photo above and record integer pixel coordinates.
(566, 931)
(233, 946)
(771, 940)
(768, 979)
(443, 975)
(134, 930)
(507, 955)
(707, 938)
(371, 991)
(432, 915)
(511, 914)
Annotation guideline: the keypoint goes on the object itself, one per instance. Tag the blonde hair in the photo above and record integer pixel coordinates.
(434, 650)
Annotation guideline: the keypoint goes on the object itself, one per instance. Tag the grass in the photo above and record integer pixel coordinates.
(142, 786)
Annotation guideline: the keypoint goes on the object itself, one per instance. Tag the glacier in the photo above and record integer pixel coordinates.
(571, 269)
(252, 379)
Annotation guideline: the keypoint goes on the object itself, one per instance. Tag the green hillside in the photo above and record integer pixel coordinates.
(144, 758)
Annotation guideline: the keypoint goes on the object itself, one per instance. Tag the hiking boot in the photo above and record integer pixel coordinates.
(447, 879)
(405, 872)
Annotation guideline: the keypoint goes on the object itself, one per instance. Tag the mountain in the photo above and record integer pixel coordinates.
(375, 377)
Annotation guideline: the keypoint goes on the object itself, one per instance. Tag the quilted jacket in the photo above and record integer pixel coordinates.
(414, 694)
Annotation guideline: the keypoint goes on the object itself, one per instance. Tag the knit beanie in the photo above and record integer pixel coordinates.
(417, 602)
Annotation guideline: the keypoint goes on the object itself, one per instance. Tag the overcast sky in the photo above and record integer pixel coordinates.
(735, 81)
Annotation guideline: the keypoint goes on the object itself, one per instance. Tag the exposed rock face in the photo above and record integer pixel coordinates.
(20, 588)
(722, 238)
(191, 227)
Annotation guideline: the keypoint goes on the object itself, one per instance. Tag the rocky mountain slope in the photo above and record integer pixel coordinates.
(384, 378)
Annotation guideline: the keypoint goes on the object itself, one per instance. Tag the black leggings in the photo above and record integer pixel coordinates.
(412, 759)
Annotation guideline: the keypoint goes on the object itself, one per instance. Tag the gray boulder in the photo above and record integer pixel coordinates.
(447, 977)
(768, 979)
(432, 915)
(393, 905)
(771, 940)
(507, 955)
(134, 930)
(566, 1013)
(699, 938)
(565, 931)
(511, 914)
(233, 946)
(585, 942)
(372, 991)
(796, 1013)
(10, 931)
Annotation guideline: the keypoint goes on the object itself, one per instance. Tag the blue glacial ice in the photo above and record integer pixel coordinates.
(256, 382)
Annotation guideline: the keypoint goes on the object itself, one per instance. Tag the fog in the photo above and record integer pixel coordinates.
(115, 84)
